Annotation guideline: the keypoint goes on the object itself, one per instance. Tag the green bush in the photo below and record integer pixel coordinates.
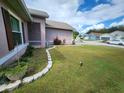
(3, 78)
(29, 52)
(16, 73)
(73, 42)
(57, 41)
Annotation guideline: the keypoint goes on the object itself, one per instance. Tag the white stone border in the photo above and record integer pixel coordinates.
(26, 80)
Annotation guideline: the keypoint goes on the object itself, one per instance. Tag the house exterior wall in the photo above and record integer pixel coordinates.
(117, 35)
(52, 33)
(6, 56)
(26, 32)
(3, 40)
(37, 38)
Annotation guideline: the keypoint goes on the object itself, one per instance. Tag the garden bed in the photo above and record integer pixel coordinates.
(33, 61)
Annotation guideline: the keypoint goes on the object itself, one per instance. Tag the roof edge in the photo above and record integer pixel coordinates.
(23, 5)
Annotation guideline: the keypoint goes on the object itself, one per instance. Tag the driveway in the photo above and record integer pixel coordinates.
(99, 43)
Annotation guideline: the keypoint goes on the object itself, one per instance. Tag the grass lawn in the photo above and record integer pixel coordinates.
(102, 72)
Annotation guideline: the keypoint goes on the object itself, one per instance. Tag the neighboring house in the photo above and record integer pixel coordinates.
(106, 37)
(13, 29)
(92, 36)
(61, 30)
(116, 35)
(20, 27)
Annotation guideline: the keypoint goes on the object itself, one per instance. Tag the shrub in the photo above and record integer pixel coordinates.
(73, 42)
(3, 78)
(64, 41)
(29, 52)
(16, 73)
(57, 41)
(30, 70)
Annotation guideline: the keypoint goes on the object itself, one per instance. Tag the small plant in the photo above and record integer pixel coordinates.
(30, 70)
(64, 41)
(3, 78)
(73, 42)
(16, 73)
(29, 52)
(57, 41)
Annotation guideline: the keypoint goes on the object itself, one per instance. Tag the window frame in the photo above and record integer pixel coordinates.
(11, 16)
(20, 25)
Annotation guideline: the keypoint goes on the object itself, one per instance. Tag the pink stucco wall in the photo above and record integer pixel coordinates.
(4, 52)
(52, 33)
(26, 32)
(3, 40)
(40, 41)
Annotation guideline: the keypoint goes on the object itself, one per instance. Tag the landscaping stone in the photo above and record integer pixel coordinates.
(44, 71)
(47, 51)
(3, 87)
(14, 85)
(48, 54)
(28, 79)
(38, 75)
(15, 77)
(49, 66)
(49, 59)
(49, 62)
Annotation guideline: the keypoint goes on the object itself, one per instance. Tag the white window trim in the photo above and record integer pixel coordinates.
(16, 31)
(12, 53)
(20, 24)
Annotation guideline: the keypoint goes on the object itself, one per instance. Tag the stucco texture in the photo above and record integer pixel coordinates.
(52, 33)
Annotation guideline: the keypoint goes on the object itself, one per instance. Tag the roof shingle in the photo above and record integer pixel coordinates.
(58, 25)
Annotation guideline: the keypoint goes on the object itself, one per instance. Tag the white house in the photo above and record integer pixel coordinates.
(112, 36)
(117, 34)
(105, 37)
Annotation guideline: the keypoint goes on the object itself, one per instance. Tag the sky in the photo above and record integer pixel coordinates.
(83, 15)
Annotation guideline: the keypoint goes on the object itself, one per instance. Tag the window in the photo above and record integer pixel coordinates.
(105, 38)
(17, 35)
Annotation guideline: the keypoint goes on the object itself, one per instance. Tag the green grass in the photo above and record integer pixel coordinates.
(102, 72)
(38, 61)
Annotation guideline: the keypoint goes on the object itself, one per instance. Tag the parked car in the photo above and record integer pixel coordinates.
(116, 42)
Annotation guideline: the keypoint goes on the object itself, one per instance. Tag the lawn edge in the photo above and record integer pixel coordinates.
(29, 79)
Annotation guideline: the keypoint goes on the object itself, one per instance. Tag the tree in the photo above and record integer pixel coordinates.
(75, 34)
(107, 30)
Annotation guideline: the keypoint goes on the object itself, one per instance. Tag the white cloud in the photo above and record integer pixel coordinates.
(59, 10)
(117, 23)
(66, 10)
